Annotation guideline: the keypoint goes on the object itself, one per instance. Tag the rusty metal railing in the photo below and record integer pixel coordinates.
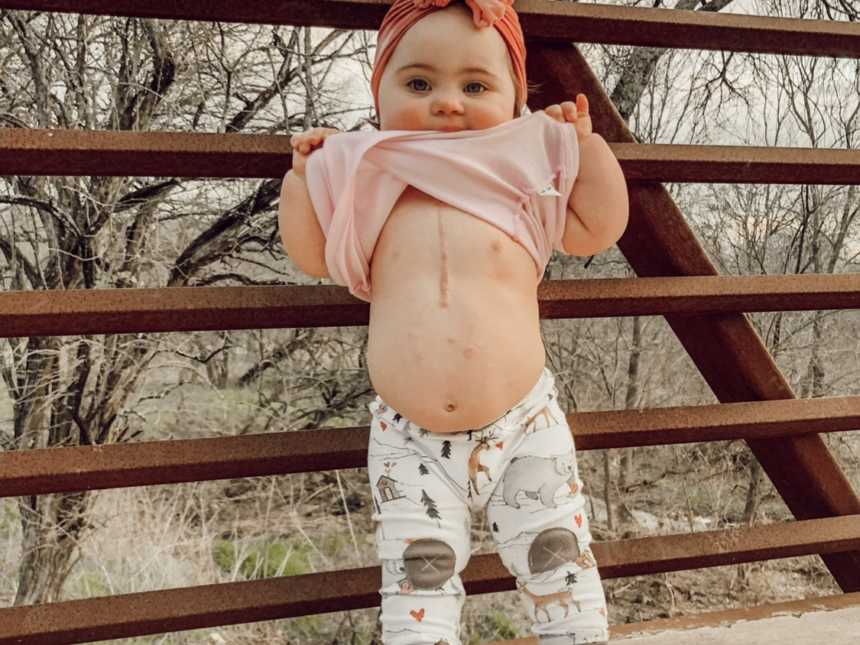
(541, 20)
(116, 311)
(676, 280)
(239, 602)
(193, 154)
(54, 470)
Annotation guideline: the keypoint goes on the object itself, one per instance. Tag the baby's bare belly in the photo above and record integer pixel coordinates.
(454, 333)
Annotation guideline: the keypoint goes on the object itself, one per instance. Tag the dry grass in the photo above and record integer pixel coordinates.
(208, 532)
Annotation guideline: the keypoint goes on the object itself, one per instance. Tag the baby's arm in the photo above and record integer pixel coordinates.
(598, 208)
(301, 234)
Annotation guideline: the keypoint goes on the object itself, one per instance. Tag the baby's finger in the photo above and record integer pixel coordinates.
(582, 103)
(555, 112)
(583, 126)
(569, 110)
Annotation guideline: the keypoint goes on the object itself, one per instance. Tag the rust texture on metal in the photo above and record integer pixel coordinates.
(736, 164)
(156, 612)
(52, 470)
(142, 154)
(115, 311)
(541, 19)
(35, 151)
(725, 347)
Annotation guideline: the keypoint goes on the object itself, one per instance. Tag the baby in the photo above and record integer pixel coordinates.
(444, 221)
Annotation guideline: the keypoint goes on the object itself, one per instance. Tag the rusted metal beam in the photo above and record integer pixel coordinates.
(736, 164)
(115, 311)
(196, 155)
(541, 19)
(156, 612)
(725, 347)
(52, 470)
(112, 311)
(142, 154)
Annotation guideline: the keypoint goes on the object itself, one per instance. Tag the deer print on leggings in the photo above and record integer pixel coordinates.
(563, 598)
(544, 412)
(475, 465)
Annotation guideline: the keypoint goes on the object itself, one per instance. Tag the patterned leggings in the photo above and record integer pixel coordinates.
(522, 467)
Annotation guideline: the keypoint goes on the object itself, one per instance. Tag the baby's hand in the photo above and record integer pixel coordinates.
(304, 143)
(576, 113)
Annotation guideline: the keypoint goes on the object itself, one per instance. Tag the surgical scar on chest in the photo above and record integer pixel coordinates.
(443, 272)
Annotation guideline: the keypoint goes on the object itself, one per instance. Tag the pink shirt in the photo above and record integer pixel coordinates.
(517, 176)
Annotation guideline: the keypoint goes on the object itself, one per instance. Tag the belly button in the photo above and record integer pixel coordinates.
(450, 407)
(469, 352)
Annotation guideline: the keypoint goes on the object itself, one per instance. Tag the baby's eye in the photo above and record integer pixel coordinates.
(421, 80)
(416, 80)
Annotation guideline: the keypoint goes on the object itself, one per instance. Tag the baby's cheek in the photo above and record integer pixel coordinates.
(396, 113)
(412, 117)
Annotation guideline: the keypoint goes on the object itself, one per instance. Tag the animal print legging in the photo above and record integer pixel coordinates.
(523, 468)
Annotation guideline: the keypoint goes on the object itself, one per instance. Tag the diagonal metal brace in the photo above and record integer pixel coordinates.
(725, 347)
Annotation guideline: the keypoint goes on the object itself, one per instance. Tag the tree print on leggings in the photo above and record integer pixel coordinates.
(430, 507)
(446, 449)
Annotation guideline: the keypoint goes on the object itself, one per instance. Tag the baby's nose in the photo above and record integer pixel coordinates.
(446, 105)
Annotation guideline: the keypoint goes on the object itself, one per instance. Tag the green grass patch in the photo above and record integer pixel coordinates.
(263, 559)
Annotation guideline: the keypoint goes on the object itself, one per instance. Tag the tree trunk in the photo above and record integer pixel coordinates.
(753, 492)
(631, 399)
(813, 386)
(62, 406)
(607, 489)
(52, 527)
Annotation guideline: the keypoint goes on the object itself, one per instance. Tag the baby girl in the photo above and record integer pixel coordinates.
(444, 221)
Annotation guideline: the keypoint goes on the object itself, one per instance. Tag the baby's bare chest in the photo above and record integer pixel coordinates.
(454, 333)
(425, 237)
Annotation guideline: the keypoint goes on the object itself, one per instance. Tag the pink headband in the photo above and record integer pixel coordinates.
(485, 13)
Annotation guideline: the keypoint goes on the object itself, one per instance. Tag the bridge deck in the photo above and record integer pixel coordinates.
(834, 620)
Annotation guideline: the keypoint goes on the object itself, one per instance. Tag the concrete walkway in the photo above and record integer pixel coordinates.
(831, 620)
(836, 627)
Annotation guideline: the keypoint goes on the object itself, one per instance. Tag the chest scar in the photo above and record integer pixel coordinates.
(443, 274)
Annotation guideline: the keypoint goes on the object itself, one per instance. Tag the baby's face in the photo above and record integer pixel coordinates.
(449, 96)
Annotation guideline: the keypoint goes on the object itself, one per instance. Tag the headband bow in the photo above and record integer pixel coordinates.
(485, 13)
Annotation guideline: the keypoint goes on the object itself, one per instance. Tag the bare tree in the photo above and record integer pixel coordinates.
(643, 84)
(110, 232)
(668, 96)
(806, 102)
